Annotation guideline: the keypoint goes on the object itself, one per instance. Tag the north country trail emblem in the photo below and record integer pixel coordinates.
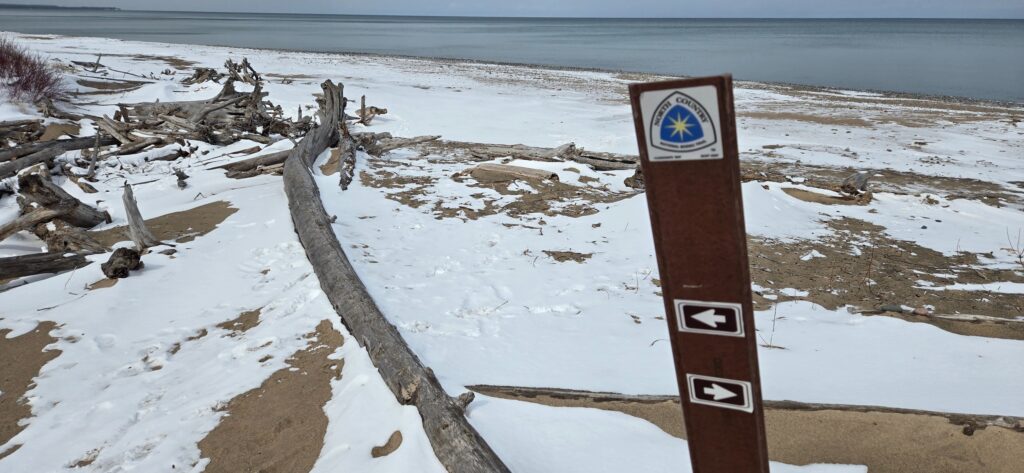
(681, 124)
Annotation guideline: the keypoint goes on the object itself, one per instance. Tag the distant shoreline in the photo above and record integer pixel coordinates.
(26, 6)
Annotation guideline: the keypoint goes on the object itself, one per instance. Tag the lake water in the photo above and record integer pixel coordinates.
(967, 58)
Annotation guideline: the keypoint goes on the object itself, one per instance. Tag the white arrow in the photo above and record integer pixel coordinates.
(718, 392)
(709, 318)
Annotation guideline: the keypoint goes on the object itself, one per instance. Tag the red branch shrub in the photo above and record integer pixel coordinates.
(27, 76)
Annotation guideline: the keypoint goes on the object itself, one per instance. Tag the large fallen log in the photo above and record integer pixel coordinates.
(489, 172)
(457, 445)
(40, 263)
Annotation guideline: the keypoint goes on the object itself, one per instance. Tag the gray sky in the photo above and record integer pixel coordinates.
(591, 8)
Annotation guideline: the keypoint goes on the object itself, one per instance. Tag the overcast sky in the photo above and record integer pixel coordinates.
(591, 8)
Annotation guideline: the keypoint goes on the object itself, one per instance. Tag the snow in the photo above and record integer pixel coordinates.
(1002, 287)
(541, 439)
(811, 255)
(835, 357)
(472, 296)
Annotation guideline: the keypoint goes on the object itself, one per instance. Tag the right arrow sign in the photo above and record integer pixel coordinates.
(720, 392)
(713, 318)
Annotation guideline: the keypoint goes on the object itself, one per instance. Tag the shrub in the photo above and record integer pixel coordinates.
(27, 76)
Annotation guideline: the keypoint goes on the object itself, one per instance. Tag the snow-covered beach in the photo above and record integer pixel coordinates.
(908, 299)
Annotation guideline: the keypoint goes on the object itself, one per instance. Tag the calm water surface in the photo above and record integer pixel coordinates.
(968, 58)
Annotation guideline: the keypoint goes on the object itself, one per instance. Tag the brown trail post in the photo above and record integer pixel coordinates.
(686, 132)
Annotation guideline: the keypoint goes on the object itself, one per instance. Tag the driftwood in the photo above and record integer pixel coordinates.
(606, 161)
(367, 114)
(36, 188)
(566, 152)
(182, 178)
(488, 172)
(54, 215)
(29, 221)
(26, 156)
(63, 238)
(457, 445)
(140, 145)
(380, 144)
(242, 72)
(227, 117)
(21, 131)
(243, 168)
(636, 181)
(347, 147)
(67, 145)
(141, 235)
(203, 74)
(40, 263)
(121, 262)
(118, 131)
(856, 183)
(561, 153)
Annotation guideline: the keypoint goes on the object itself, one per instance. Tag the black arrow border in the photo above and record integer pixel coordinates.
(747, 407)
(681, 319)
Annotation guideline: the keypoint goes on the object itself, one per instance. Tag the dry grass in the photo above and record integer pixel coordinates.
(27, 76)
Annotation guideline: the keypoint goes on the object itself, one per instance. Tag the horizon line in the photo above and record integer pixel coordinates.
(524, 17)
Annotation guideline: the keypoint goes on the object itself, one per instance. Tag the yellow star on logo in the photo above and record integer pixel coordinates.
(681, 126)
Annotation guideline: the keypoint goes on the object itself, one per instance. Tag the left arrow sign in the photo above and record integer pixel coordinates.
(712, 318)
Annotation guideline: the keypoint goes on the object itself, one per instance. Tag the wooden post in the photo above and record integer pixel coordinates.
(686, 133)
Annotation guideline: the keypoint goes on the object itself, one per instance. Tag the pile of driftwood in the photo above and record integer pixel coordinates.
(27, 162)
(61, 221)
(225, 118)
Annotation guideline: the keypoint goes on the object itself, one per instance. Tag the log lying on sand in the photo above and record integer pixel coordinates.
(561, 153)
(377, 144)
(489, 172)
(457, 445)
(14, 267)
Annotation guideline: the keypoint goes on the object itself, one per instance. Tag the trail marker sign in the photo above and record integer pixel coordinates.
(686, 132)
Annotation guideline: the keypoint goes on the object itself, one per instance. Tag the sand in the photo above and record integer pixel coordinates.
(181, 227)
(280, 426)
(21, 358)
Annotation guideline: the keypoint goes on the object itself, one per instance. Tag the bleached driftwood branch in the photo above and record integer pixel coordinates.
(137, 229)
